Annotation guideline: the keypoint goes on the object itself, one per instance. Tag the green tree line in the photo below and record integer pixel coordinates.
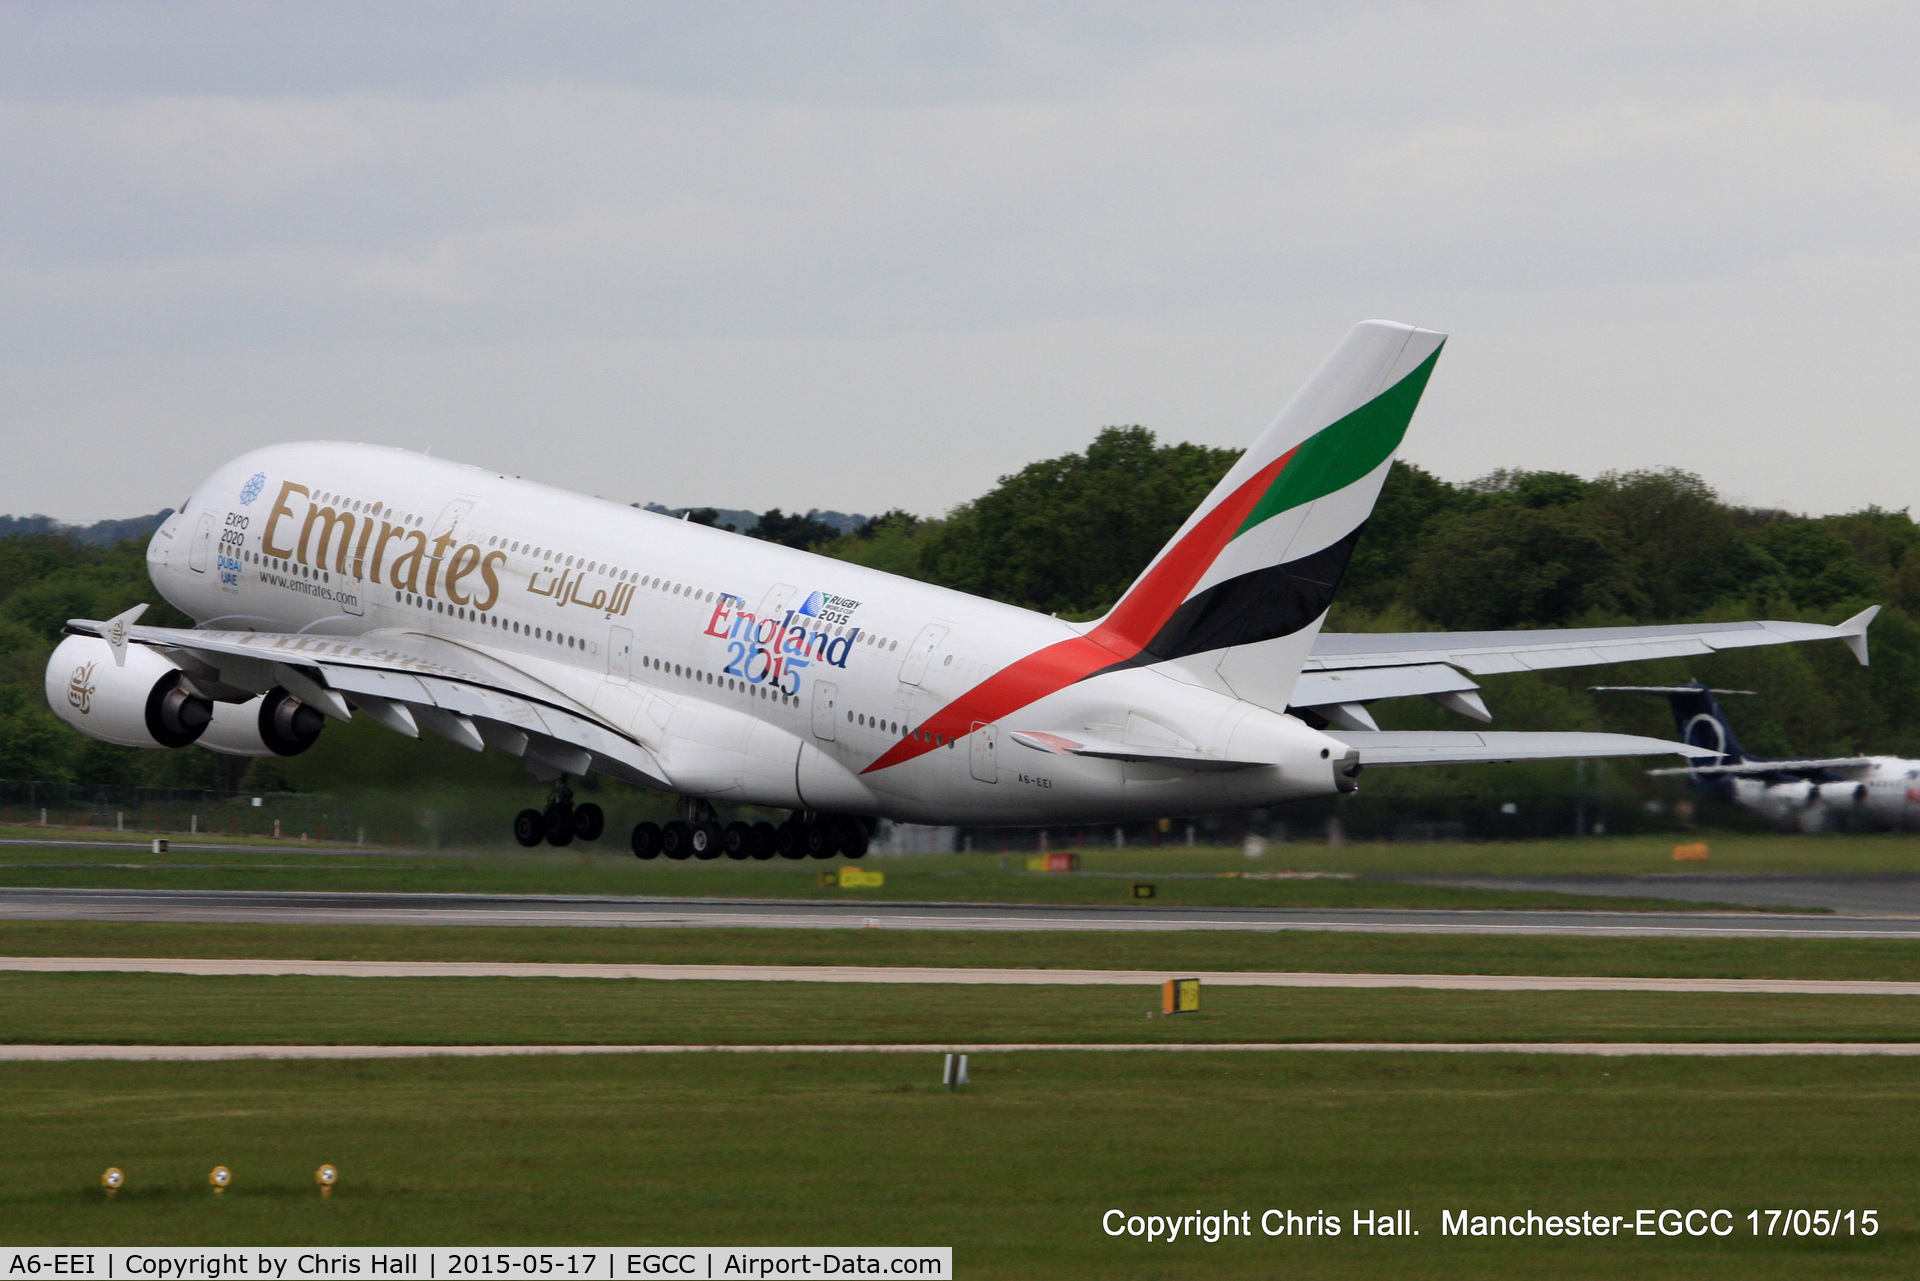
(1067, 535)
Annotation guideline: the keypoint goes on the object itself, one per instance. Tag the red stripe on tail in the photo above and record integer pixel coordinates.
(1120, 636)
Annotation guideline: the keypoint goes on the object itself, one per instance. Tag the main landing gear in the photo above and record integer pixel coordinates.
(562, 822)
(697, 833)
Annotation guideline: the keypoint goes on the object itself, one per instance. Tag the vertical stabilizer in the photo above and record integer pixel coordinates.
(1697, 717)
(1236, 598)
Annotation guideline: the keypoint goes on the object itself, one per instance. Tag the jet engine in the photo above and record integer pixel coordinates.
(1839, 794)
(274, 724)
(145, 702)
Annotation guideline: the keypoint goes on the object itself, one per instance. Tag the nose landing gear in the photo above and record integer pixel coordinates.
(561, 822)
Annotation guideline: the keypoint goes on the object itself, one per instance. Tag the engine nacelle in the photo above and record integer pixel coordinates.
(1839, 795)
(144, 703)
(275, 724)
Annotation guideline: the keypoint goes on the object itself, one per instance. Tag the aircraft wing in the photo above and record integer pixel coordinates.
(1449, 747)
(1838, 764)
(401, 680)
(1349, 668)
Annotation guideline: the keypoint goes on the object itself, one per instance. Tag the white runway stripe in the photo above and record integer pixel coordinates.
(952, 974)
(1604, 1049)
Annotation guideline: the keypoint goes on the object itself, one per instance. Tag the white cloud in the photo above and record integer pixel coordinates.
(807, 256)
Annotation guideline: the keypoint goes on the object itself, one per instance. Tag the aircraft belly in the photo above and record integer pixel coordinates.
(719, 753)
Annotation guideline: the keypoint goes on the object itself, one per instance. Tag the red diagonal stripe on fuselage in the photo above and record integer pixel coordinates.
(1119, 637)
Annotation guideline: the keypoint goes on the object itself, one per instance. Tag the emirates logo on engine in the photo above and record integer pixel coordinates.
(80, 689)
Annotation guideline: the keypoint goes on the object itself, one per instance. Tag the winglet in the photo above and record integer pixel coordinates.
(114, 632)
(1856, 632)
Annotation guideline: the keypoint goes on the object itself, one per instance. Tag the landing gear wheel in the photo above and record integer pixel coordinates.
(529, 828)
(822, 840)
(559, 820)
(766, 841)
(789, 840)
(588, 821)
(853, 838)
(738, 840)
(676, 840)
(706, 839)
(646, 840)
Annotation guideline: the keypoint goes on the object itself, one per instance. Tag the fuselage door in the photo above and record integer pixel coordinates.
(202, 551)
(620, 653)
(775, 600)
(980, 753)
(825, 694)
(914, 666)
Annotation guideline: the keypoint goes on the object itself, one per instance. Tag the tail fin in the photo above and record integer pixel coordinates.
(1238, 595)
(1696, 715)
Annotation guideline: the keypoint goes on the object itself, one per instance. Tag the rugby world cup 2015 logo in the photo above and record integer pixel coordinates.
(80, 689)
(773, 651)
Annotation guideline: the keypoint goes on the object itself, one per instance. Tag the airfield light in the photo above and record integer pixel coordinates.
(112, 1180)
(326, 1176)
(220, 1177)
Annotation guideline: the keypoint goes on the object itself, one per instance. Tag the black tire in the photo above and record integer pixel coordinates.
(707, 839)
(589, 821)
(529, 828)
(676, 840)
(789, 840)
(822, 840)
(853, 838)
(738, 840)
(646, 840)
(559, 824)
(766, 841)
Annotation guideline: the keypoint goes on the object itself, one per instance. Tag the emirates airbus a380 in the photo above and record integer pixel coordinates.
(330, 580)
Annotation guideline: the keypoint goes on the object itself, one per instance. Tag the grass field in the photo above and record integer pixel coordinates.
(224, 1010)
(1836, 852)
(1014, 1172)
(1358, 876)
(1815, 958)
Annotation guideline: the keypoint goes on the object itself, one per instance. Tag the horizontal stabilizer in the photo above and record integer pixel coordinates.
(1486, 653)
(1753, 768)
(1107, 749)
(1665, 689)
(1456, 747)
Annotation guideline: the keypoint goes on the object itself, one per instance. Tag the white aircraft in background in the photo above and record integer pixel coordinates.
(1881, 791)
(328, 579)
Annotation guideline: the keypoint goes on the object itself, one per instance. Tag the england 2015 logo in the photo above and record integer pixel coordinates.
(251, 490)
(773, 651)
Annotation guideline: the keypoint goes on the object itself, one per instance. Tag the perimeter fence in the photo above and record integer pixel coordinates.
(177, 811)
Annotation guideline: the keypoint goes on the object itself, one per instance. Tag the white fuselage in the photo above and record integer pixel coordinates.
(754, 673)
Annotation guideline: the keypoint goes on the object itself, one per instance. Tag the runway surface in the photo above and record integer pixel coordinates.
(330, 908)
(1602, 1049)
(1868, 895)
(943, 974)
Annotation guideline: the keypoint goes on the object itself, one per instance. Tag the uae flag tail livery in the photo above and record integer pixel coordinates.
(1237, 597)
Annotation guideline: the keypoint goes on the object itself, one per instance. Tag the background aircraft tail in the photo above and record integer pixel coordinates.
(1237, 597)
(1700, 723)
(1696, 715)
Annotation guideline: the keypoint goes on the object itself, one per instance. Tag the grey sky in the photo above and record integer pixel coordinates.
(859, 256)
